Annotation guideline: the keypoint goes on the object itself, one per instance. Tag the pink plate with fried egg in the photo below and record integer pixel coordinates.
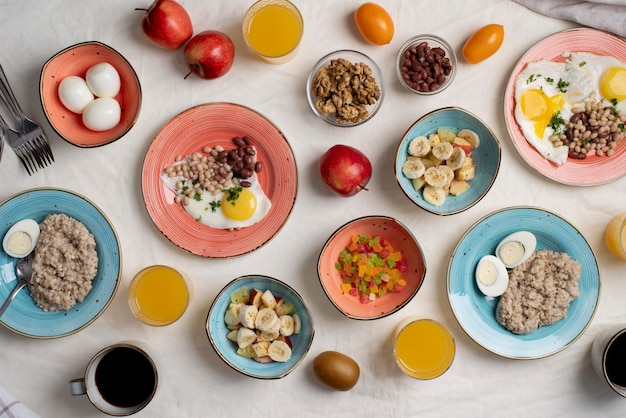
(593, 170)
(210, 125)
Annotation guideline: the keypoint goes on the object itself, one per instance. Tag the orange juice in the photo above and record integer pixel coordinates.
(273, 29)
(423, 348)
(158, 295)
(615, 235)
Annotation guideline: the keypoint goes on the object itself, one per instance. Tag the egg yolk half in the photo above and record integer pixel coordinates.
(539, 108)
(241, 208)
(613, 84)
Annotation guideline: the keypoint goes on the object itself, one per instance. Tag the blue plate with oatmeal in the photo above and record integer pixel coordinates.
(476, 313)
(23, 316)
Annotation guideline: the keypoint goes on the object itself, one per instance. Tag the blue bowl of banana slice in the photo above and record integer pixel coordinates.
(260, 326)
(447, 161)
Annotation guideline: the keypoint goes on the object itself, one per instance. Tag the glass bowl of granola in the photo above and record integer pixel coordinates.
(345, 88)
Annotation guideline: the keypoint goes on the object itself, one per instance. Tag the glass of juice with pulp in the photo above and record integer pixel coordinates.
(158, 295)
(273, 29)
(423, 348)
(615, 235)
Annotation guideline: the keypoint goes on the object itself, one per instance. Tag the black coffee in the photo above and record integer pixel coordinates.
(125, 377)
(616, 361)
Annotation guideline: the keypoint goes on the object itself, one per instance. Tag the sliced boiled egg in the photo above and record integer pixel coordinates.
(492, 277)
(21, 238)
(516, 248)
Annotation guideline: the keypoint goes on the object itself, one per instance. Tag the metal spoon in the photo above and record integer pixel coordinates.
(24, 272)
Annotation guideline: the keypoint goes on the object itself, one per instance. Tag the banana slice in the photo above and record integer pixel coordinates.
(286, 325)
(267, 336)
(279, 351)
(231, 318)
(247, 315)
(456, 159)
(413, 168)
(448, 172)
(245, 337)
(434, 195)
(435, 177)
(419, 146)
(442, 150)
(470, 136)
(297, 324)
(267, 320)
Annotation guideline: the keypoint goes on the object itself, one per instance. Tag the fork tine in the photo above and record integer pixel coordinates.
(44, 149)
(23, 159)
(33, 155)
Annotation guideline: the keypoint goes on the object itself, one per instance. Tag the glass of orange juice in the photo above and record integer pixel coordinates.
(423, 348)
(615, 235)
(158, 295)
(273, 30)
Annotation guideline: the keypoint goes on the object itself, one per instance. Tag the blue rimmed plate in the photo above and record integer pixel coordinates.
(23, 316)
(216, 329)
(476, 312)
(486, 158)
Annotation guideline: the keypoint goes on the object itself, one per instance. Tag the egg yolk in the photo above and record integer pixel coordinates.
(241, 208)
(539, 108)
(613, 84)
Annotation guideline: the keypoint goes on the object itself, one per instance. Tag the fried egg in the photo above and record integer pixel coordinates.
(547, 91)
(232, 208)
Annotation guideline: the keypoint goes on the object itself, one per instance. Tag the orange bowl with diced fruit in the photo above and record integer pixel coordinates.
(371, 267)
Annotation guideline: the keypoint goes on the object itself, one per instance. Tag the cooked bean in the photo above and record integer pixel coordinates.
(425, 69)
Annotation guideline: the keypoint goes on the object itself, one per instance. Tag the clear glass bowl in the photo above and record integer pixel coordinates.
(433, 42)
(353, 57)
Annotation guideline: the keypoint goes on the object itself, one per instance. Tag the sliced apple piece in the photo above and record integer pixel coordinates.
(284, 307)
(268, 299)
(458, 187)
(255, 297)
(241, 295)
(463, 144)
(446, 135)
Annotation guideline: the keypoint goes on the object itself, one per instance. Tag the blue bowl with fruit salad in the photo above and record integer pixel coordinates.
(447, 161)
(260, 326)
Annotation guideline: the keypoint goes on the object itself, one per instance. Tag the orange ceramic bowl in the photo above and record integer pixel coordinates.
(76, 60)
(400, 238)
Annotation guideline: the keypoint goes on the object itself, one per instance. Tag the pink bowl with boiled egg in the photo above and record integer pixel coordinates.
(399, 239)
(75, 61)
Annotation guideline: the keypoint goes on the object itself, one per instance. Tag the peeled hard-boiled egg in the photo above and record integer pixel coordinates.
(103, 80)
(75, 94)
(516, 248)
(102, 114)
(21, 238)
(492, 277)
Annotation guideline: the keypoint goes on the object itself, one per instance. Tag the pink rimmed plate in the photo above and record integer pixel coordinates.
(593, 170)
(215, 124)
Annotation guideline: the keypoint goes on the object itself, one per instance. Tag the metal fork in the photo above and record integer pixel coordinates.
(16, 143)
(31, 145)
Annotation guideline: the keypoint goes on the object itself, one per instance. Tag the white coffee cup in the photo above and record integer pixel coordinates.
(120, 380)
(608, 357)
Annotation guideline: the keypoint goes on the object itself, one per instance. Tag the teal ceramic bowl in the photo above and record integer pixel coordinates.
(23, 316)
(217, 330)
(475, 312)
(486, 158)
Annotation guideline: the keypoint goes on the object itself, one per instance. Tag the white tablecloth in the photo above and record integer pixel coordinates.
(194, 381)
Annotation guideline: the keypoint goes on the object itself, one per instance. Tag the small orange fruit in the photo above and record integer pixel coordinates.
(483, 43)
(374, 23)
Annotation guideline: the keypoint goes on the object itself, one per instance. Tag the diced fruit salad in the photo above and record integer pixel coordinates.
(370, 267)
(260, 324)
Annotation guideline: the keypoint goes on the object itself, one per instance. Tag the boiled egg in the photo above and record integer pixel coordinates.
(492, 277)
(236, 207)
(102, 114)
(103, 80)
(516, 248)
(21, 239)
(75, 94)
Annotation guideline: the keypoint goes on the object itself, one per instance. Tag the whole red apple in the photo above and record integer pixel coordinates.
(209, 54)
(167, 24)
(345, 170)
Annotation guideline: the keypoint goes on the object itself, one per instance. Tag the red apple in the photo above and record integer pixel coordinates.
(209, 54)
(167, 24)
(345, 170)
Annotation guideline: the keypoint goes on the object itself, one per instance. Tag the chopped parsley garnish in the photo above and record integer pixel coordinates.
(531, 78)
(622, 126)
(614, 101)
(582, 64)
(197, 197)
(550, 80)
(562, 86)
(233, 194)
(557, 123)
(215, 204)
